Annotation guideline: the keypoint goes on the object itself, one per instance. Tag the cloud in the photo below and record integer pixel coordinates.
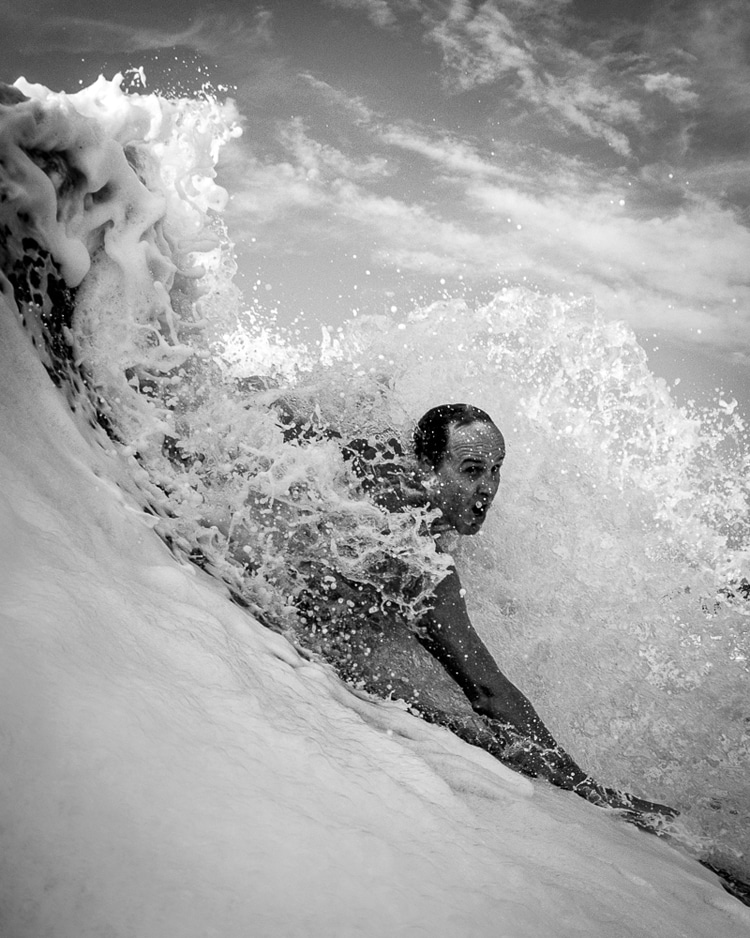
(407, 234)
(216, 35)
(676, 88)
(320, 161)
(543, 58)
(354, 105)
(700, 48)
(297, 199)
(686, 269)
(479, 47)
(433, 199)
(382, 13)
(482, 46)
(378, 12)
(312, 177)
(450, 154)
(565, 228)
(580, 102)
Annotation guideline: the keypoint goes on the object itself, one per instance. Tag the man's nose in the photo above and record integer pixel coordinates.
(486, 486)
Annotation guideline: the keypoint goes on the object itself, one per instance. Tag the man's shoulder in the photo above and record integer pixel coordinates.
(385, 472)
(374, 459)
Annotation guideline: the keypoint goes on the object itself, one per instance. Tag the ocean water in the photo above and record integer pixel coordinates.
(609, 581)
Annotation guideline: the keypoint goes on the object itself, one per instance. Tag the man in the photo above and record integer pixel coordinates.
(459, 453)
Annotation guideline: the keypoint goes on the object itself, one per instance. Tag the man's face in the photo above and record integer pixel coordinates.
(465, 484)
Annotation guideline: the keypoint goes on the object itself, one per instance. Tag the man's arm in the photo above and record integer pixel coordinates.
(450, 637)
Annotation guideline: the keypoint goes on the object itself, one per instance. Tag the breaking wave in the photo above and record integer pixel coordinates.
(611, 578)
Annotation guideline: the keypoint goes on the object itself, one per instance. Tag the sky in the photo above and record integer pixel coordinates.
(398, 151)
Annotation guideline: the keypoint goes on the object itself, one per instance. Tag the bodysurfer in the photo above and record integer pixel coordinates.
(459, 453)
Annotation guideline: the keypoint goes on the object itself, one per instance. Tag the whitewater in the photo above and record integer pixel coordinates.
(174, 761)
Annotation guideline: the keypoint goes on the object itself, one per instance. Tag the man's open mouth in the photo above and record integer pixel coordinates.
(479, 509)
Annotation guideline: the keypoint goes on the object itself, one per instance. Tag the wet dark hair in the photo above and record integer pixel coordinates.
(431, 433)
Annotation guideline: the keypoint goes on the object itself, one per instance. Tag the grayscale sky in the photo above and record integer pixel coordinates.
(397, 150)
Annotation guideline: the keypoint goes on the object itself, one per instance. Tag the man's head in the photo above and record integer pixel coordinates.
(460, 451)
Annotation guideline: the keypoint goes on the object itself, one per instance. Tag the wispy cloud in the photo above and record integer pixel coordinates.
(484, 45)
(313, 176)
(687, 268)
(378, 12)
(579, 101)
(676, 88)
(207, 34)
(714, 38)
(565, 228)
(541, 55)
(383, 13)
(479, 47)
(320, 161)
(451, 155)
(352, 104)
(658, 246)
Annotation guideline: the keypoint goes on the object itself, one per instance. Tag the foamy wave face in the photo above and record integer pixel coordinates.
(608, 578)
(118, 191)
